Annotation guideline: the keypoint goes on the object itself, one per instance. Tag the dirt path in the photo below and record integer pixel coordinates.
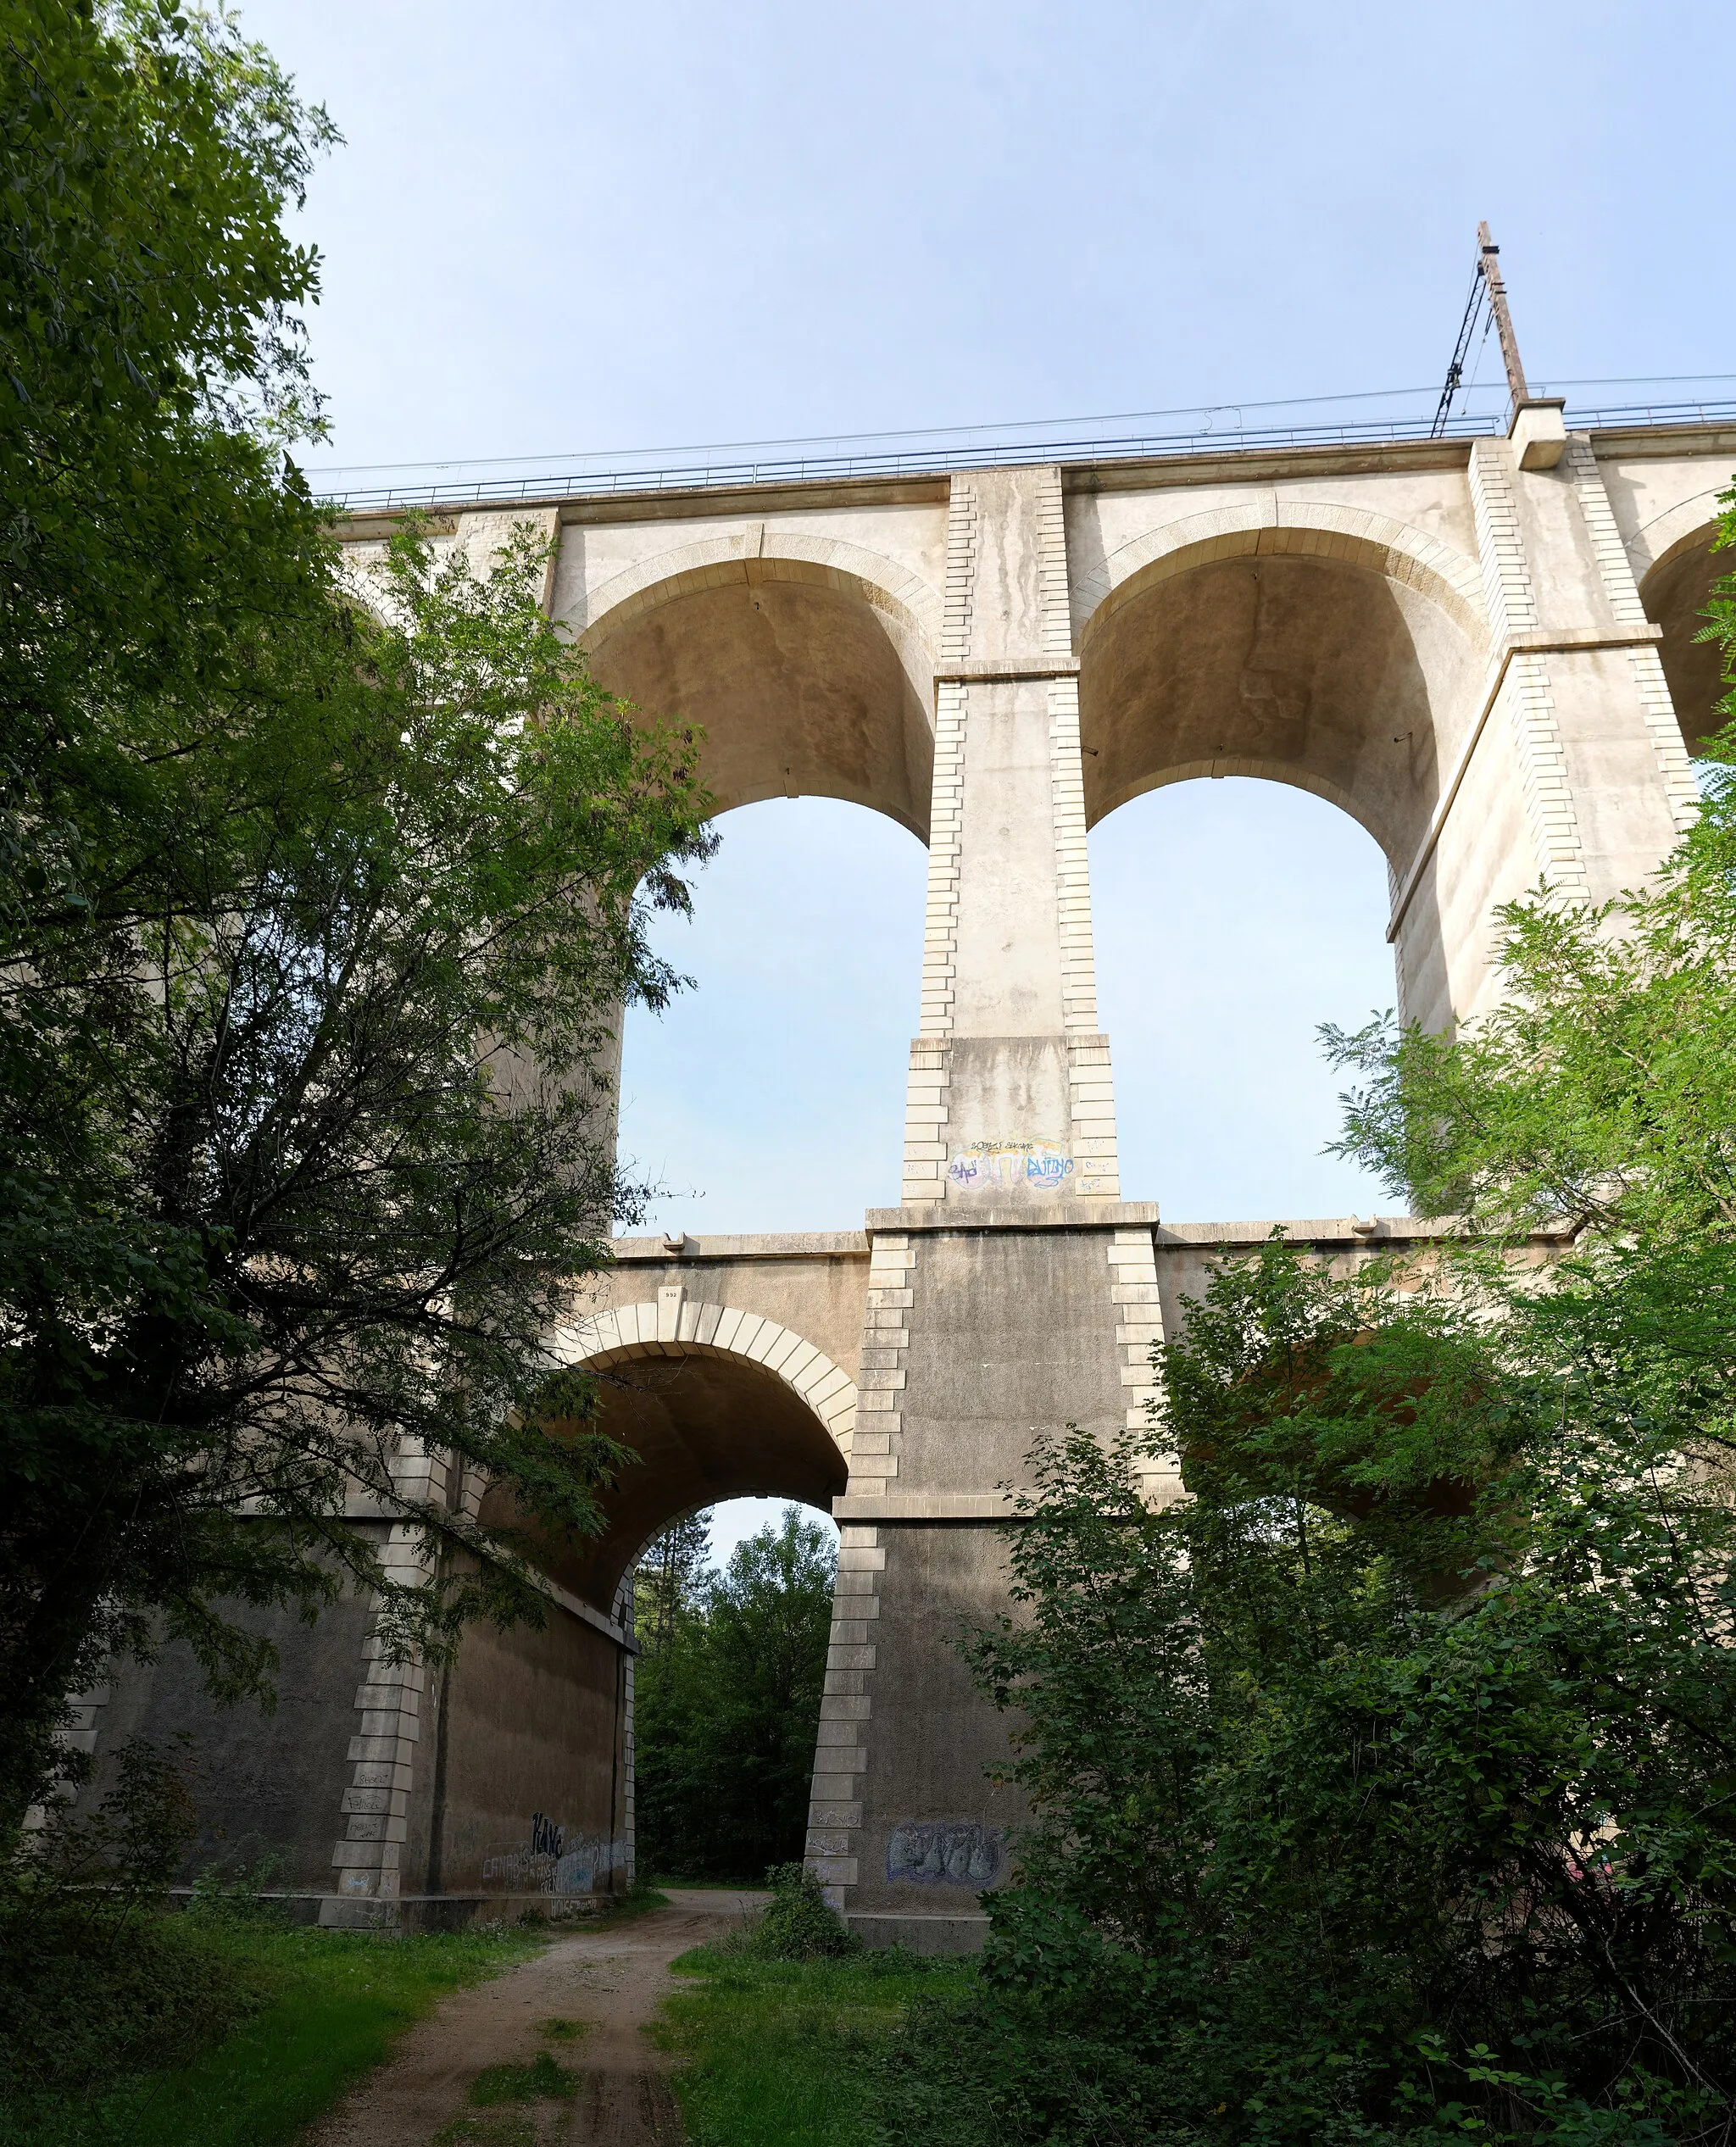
(612, 1980)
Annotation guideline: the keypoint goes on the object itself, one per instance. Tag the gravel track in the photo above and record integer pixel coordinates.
(613, 1981)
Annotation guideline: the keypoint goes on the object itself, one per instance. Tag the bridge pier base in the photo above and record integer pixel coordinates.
(987, 1329)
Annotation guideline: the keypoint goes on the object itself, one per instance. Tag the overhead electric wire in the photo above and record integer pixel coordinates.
(1455, 370)
(472, 482)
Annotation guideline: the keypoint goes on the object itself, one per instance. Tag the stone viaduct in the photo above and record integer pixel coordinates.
(1481, 650)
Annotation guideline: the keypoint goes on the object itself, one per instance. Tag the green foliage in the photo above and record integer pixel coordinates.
(537, 2079)
(223, 2032)
(974, 2069)
(786, 2053)
(798, 1923)
(670, 1580)
(1719, 613)
(93, 1980)
(299, 1206)
(299, 882)
(153, 363)
(1383, 1784)
(95, 1868)
(726, 1712)
(1599, 1094)
(85, 2001)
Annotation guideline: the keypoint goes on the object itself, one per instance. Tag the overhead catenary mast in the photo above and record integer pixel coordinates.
(1535, 424)
(1488, 261)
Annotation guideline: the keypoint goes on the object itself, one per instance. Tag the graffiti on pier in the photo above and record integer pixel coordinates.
(1044, 1164)
(552, 1862)
(949, 1852)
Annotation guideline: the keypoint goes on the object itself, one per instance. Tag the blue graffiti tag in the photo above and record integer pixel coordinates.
(948, 1853)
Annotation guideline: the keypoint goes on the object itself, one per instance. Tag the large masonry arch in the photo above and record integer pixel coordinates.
(1343, 654)
(512, 1771)
(1229, 643)
(1295, 529)
(807, 663)
(1677, 567)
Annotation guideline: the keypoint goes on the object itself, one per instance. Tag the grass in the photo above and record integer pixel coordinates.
(542, 2080)
(528, 2082)
(563, 2031)
(488, 2131)
(326, 2007)
(774, 2048)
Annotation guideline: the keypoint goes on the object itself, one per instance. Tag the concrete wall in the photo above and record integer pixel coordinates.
(267, 1786)
(930, 1831)
(814, 1283)
(1008, 1329)
(529, 1779)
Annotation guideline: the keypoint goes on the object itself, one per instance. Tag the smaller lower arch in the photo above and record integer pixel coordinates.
(717, 1403)
(705, 1329)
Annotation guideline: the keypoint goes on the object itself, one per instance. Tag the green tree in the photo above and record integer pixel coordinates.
(155, 370)
(318, 906)
(726, 1712)
(308, 1200)
(670, 1580)
(1385, 1785)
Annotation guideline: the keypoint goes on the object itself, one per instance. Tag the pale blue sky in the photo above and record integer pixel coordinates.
(559, 228)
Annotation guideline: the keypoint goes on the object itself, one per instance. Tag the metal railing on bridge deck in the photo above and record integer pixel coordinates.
(1315, 421)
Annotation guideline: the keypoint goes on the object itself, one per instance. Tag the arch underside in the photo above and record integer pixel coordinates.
(1321, 671)
(716, 1404)
(1329, 657)
(1675, 593)
(804, 684)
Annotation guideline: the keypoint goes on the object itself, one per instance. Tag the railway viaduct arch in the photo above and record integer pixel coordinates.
(1483, 654)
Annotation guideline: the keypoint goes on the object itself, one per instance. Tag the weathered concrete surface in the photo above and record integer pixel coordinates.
(526, 1723)
(613, 1981)
(257, 1778)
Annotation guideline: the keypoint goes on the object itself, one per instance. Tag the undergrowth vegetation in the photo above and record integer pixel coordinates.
(785, 2053)
(230, 2032)
(124, 2025)
(797, 1923)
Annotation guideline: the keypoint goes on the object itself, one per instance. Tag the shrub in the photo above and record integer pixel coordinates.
(799, 1924)
(1359, 1817)
(92, 1982)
